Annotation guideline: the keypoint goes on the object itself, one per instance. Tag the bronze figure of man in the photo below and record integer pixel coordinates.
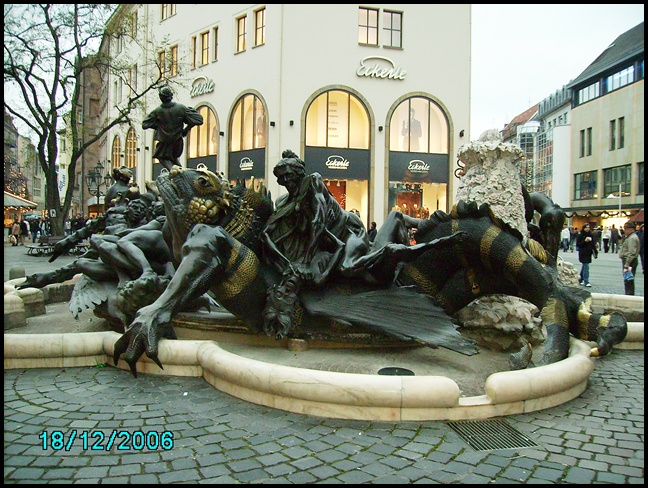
(172, 121)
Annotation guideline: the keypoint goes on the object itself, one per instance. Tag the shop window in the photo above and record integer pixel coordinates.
(248, 125)
(131, 148)
(368, 26)
(203, 139)
(419, 125)
(337, 119)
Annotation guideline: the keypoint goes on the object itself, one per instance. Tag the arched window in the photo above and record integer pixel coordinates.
(337, 119)
(418, 125)
(418, 158)
(116, 152)
(203, 139)
(131, 148)
(248, 124)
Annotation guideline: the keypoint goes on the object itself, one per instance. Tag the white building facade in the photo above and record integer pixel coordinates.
(374, 98)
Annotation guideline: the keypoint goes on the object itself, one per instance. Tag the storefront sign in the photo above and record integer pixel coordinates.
(380, 67)
(344, 164)
(246, 164)
(418, 166)
(337, 162)
(200, 86)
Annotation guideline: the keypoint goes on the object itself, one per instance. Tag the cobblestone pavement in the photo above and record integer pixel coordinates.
(171, 429)
(101, 425)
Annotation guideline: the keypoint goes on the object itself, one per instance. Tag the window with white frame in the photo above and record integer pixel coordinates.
(259, 27)
(241, 34)
(168, 9)
(204, 48)
(131, 148)
(368, 26)
(173, 61)
(193, 53)
(215, 44)
(162, 64)
(392, 29)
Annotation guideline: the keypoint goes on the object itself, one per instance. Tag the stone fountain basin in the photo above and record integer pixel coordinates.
(287, 377)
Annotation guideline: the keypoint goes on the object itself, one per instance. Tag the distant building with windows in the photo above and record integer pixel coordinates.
(607, 131)
(584, 144)
(375, 99)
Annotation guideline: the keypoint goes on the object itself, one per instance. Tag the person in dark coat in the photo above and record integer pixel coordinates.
(586, 249)
(34, 228)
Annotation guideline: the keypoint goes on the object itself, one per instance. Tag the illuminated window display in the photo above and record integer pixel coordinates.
(418, 158)
(337, 147)
(203, 139)
(247, 138)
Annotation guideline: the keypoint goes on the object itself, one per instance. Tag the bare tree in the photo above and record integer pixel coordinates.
(48, 48)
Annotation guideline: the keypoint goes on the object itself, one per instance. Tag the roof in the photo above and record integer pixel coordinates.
(624, 48)
(518, 120)
(11, 200)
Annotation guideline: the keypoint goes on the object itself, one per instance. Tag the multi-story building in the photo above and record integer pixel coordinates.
(607, 132)
(374, 98)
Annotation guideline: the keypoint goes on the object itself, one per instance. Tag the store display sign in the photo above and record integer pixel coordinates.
(201, 85)
(418, 167)
(341, 164)
(246, 164)
(380, 67)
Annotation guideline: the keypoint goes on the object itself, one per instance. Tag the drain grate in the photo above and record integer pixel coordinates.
(488, 435)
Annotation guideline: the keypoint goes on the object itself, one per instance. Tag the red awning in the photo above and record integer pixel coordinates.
(638, 217)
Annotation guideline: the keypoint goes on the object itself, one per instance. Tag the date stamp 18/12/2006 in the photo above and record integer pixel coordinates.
(96, 440)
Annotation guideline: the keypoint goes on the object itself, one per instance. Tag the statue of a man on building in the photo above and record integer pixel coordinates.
(172, 121)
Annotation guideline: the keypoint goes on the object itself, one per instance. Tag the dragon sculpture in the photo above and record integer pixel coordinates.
(468, 253)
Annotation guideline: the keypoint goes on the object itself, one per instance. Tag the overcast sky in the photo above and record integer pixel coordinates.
(521, 54)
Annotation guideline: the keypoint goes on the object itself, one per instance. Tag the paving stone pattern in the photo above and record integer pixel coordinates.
(596, 438)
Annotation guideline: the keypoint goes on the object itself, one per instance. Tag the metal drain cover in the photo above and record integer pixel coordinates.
(487, 435)
(395, 371)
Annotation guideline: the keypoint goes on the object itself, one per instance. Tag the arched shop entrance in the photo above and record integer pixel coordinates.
(337, 147)
(419, 160)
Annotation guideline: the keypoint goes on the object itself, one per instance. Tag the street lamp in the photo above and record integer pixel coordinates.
(96, 179)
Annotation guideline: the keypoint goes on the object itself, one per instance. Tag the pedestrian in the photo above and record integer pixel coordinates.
(586, 246)
(606, 239)
(15, 233)
(640, 234)
(68, 227)
(24, 231)
(629, 255)
(572, 237)
(34, 228)
(372, 232)
(614, 239)
(172, 121)
(564, 238)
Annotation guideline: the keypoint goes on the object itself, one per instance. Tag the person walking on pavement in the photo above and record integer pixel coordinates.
(572, 237)
(24, 231)
(586, 246)
(564, 238)
(606, 239)
(640, 234)
(34, 228)
(629, 255)
(15, 233)
(614, 239)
